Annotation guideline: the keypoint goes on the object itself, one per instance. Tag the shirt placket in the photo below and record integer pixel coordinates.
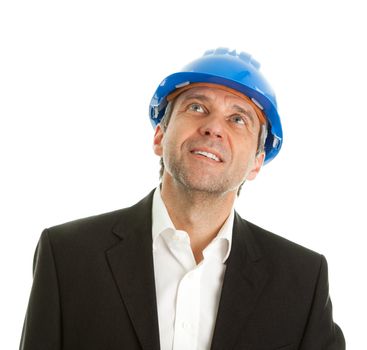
(187, 311)
(187, 306)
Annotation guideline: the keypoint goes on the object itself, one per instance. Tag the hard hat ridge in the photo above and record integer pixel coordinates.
(244, 56)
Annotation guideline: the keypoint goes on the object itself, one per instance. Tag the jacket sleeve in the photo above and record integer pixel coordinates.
(42, 325)
(321, 332)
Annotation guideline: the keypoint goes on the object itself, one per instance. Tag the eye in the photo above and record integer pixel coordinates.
(238, 119)
(195, 107)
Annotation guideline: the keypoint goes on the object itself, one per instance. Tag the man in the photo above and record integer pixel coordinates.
(181, 269)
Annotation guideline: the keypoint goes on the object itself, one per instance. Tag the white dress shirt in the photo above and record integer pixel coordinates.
(187, 294)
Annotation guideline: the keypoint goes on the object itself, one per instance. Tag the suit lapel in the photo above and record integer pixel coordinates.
(244, 280)
(131, 263)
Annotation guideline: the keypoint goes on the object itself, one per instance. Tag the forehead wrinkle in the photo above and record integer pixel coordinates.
(196, 96)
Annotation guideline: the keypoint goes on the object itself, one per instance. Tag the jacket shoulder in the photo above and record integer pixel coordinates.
(281, 254)
(276, 243)
(99, 229)
(98, 225)
(84, 234)
(90, 223)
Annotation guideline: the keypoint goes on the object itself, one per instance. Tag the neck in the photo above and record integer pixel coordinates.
(200, 214)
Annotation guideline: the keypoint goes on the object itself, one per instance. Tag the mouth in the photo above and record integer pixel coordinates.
(207, 154)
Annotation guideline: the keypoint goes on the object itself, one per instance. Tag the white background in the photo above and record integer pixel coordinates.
(76, 78)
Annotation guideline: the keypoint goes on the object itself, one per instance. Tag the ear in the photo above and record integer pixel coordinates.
(157, 140)
(259, 160)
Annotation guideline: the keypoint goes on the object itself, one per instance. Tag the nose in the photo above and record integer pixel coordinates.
(212, 126)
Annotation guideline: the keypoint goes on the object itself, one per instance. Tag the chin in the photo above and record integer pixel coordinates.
(204, 185)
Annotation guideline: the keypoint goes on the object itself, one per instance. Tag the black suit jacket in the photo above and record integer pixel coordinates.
(94, 289)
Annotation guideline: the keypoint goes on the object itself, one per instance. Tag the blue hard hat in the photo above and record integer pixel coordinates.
(238, 71)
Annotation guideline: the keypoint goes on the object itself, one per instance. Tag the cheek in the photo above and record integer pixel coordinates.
(175, 136)
(251, 141)
(170, 143)
(246, 152)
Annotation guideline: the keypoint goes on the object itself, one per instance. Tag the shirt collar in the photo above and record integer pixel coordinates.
(220, 245)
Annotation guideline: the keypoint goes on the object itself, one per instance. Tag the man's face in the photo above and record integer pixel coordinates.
(211, 141)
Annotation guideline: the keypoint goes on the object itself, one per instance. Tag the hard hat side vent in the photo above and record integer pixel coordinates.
(182, 84)
(276, 142)
(257, 103)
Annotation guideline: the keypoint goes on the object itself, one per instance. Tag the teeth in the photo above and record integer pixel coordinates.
(207, 154)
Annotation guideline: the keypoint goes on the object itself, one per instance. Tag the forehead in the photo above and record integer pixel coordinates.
(213, 94)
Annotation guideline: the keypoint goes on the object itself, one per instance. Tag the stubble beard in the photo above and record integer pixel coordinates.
(205, 185)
